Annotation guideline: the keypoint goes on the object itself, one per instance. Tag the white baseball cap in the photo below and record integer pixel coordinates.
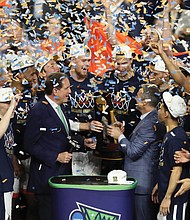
(176, 104)
(41, 62)
(122, 49)
(117, 177)
(21, 61)
(159, 64)
(6, 94)
(77, 50)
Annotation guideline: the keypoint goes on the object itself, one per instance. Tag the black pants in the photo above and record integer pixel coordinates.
(143, 207)
(44, 206)
(2, 206)
(187, 214)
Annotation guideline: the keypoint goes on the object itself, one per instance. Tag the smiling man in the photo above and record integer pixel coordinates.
(47, 141)
(81, 107)
(81, 99)
(123, 84)
(159, 74)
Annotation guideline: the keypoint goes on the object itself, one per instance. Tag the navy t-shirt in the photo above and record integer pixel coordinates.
(6, 166)
(173, 141)
(123, 95)
(80, 106)
(19, 121)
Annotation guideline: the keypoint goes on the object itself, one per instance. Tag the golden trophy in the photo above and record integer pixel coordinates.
(107, 147)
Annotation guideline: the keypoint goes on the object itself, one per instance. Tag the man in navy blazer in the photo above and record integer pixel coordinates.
(46, 140)
(142, 150)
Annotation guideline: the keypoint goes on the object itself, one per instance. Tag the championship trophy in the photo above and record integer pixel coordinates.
(107, 147)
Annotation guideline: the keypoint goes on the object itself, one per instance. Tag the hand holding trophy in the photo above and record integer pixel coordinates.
(107, 145)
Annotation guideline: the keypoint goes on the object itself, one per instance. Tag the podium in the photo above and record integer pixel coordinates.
(91, 197)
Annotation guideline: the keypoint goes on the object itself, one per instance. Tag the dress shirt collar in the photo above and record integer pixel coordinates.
(52, 103)
(144, 115)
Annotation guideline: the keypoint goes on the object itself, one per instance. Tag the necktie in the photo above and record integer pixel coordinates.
(63, 119)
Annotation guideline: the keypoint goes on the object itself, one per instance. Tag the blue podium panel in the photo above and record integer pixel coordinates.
(91, 200)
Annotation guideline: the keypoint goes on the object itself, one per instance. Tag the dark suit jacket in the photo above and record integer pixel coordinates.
(45, 137)
(142, 153)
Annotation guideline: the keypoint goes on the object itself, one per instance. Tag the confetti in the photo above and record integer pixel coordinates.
(4, 181)
(43, 129)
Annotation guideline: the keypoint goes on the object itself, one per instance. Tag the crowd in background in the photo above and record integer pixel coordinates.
(111, 66)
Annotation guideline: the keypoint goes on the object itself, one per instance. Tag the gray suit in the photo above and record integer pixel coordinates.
(141, 162)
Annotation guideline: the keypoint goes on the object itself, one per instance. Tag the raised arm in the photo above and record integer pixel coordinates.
(110, 26)
(172, 67)
(166, 30)
(4, 123)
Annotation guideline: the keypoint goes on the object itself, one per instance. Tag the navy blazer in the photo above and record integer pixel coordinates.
(142, 154)
(45, 137)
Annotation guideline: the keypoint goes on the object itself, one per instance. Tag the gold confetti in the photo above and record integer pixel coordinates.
(44, 102)
(5, 180)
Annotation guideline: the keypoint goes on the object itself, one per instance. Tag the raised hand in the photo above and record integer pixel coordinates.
(157, 47)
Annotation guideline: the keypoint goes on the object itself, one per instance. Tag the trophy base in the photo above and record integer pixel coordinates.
(109, 152)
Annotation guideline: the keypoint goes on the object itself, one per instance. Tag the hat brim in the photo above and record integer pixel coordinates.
(4, 101)
(167, 98)
(54, 57)
(27, 66)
